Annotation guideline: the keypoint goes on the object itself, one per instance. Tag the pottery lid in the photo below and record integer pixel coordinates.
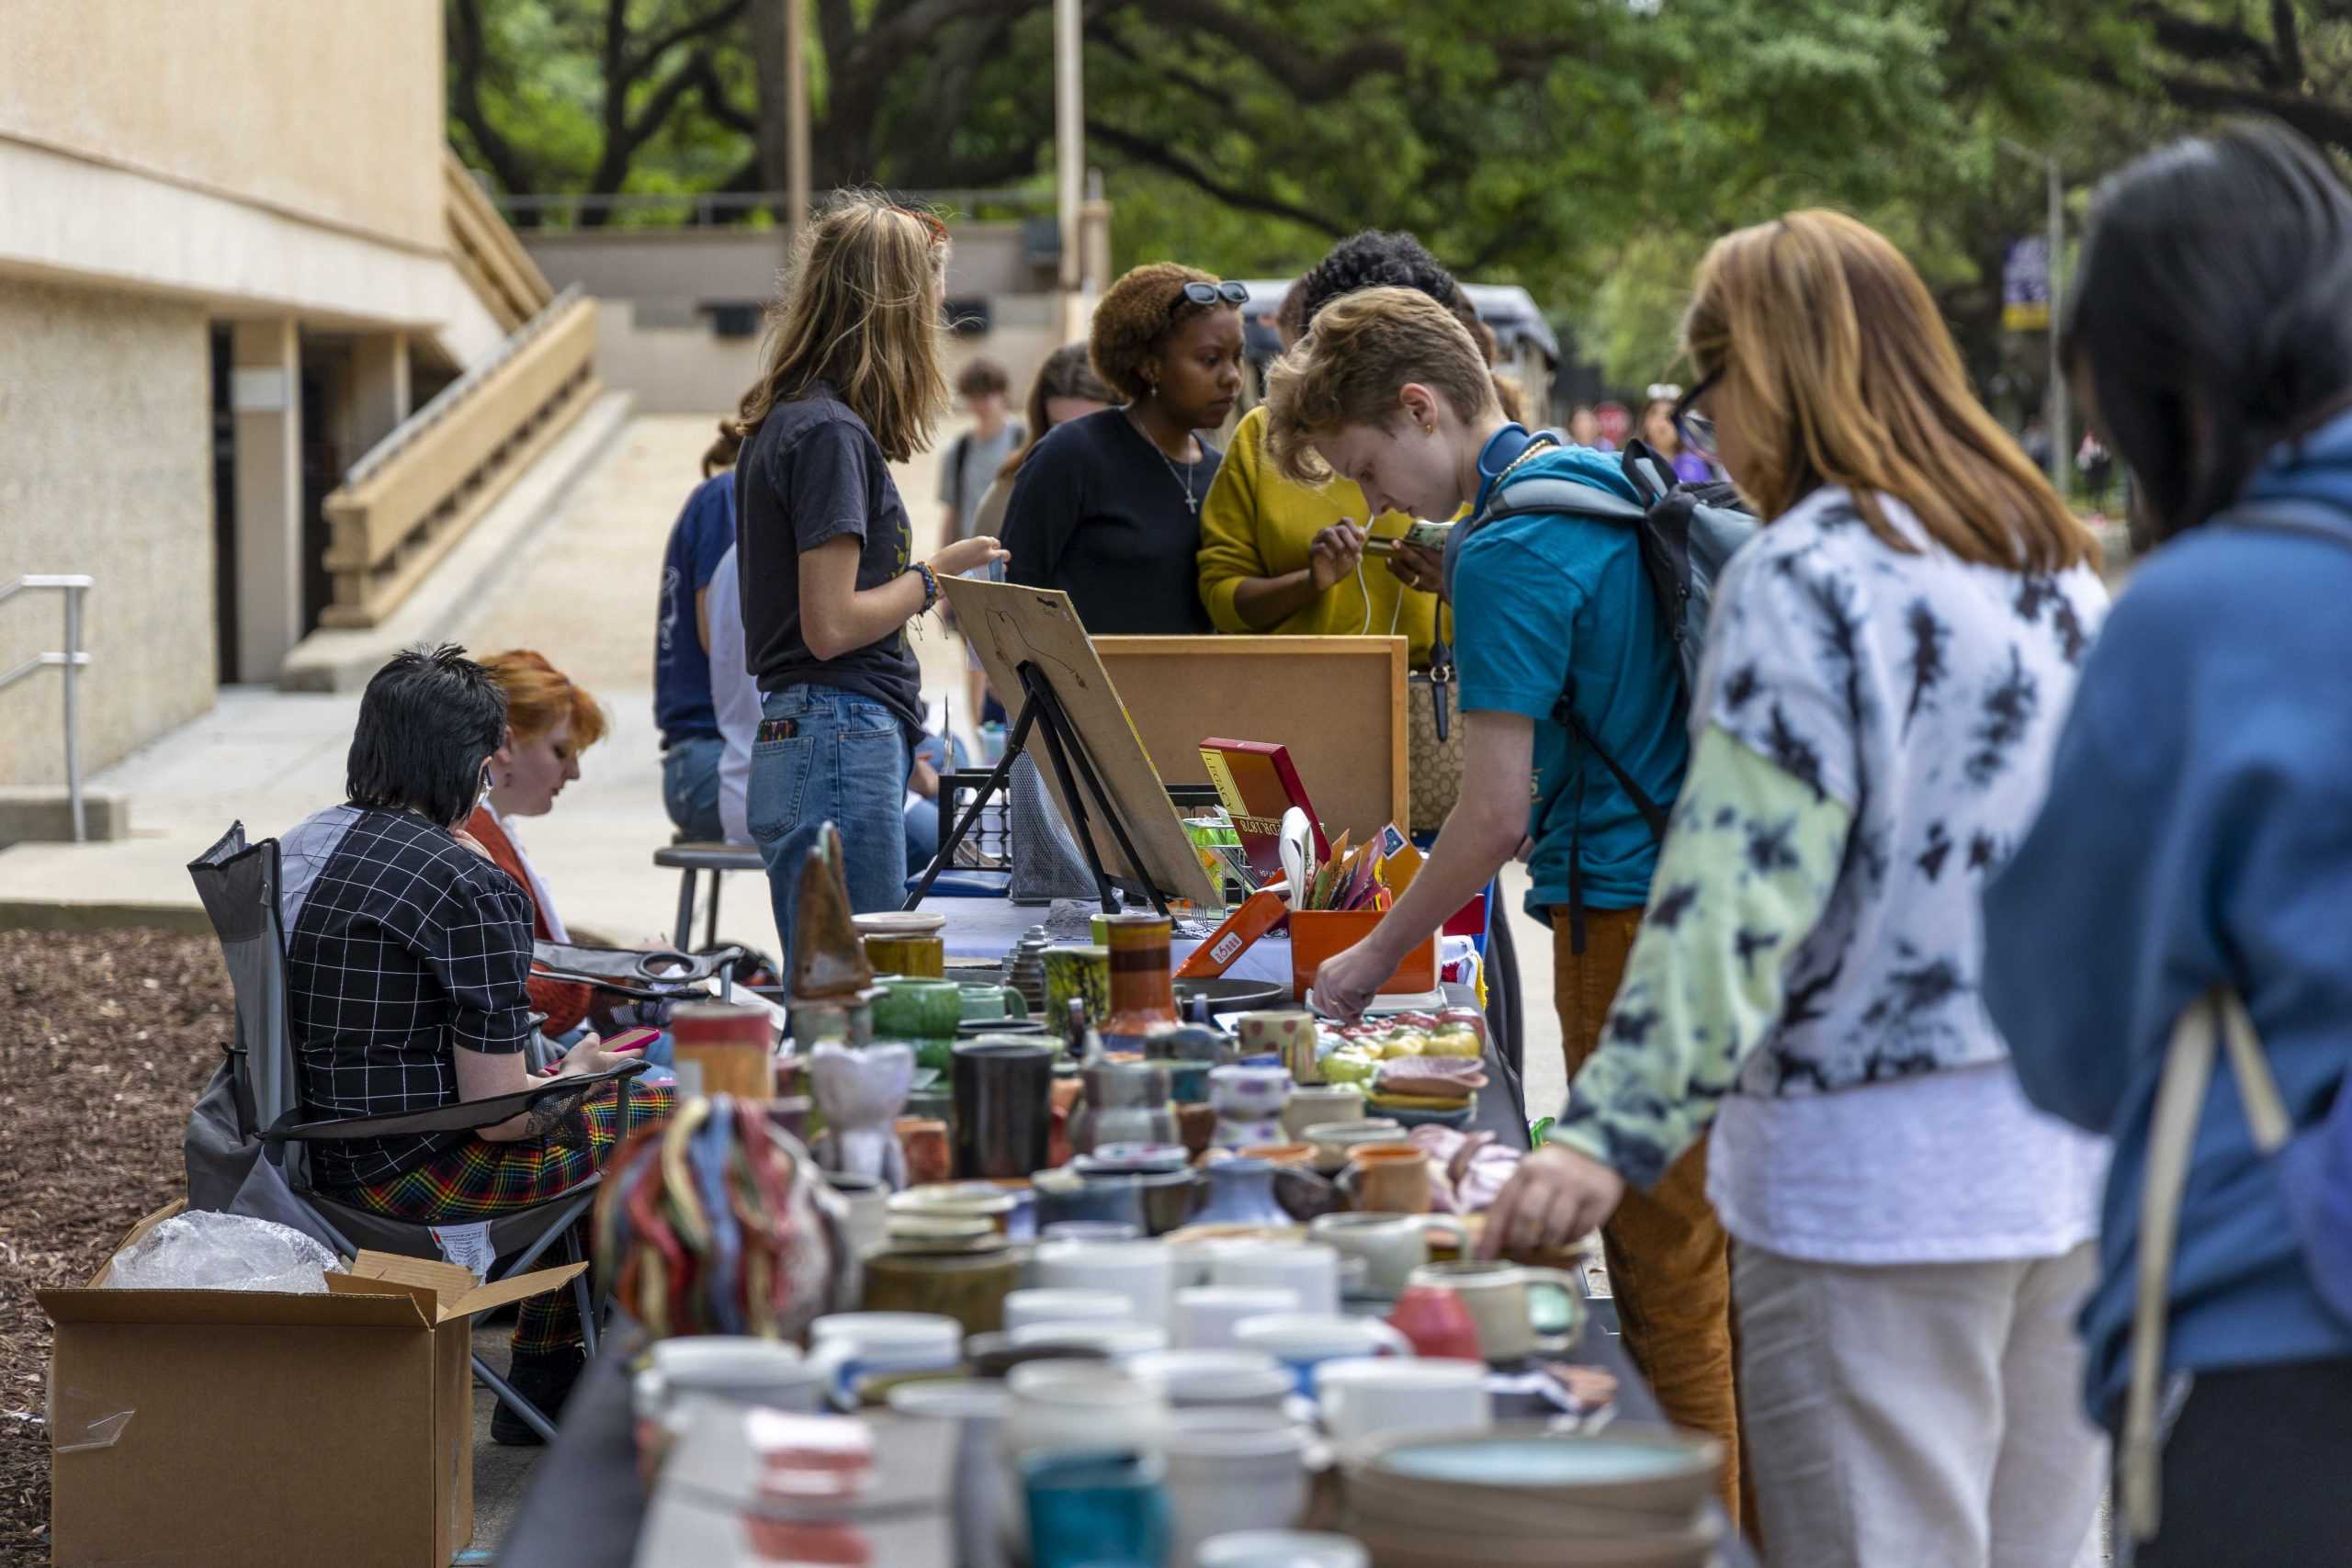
(898, 923)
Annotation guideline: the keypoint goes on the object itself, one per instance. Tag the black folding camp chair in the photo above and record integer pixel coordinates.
(248, 1145)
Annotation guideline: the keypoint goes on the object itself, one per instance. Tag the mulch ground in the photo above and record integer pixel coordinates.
(111, 1035)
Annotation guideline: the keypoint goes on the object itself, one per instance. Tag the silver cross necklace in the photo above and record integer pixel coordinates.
(1184, 480)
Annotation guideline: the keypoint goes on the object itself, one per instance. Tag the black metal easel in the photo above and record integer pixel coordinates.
(1042, 710)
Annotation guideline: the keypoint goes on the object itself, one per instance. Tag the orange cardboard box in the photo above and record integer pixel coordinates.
(238, 1427)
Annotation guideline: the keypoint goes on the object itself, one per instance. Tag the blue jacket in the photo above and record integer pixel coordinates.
(2198, 832)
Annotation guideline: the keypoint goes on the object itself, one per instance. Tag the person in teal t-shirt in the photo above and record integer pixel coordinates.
(1388, 390)
(1545, 603)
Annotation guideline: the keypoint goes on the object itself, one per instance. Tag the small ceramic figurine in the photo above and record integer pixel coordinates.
(829, 957)
(862, 1093)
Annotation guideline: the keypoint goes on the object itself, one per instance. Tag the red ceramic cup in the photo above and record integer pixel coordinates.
(1434, 1318)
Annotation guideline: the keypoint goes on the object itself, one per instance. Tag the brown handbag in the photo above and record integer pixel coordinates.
(1433, 741)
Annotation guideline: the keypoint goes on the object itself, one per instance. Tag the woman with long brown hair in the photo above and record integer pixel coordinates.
(1884, 676)
(850, 383)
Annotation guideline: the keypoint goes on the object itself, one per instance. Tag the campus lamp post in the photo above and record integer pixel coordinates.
(2062, 452)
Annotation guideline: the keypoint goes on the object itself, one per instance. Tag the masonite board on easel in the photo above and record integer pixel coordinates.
(1032, 645)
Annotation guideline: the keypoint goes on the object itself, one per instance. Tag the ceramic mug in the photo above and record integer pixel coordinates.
(1364, 1397)
(1023, 1308)
(1283, 1549)
(1388, 1179)
(1200, 1379)
(1078, 972)
(1304, 1340)
(1312, 1270)
(1231, 1468)
(917, 1007)
(1143, 1271)
(919, 957)
(1333, 1140)
(978, 1408)
(988, 1004)
(1206, 1315)
(729, 1368)
(867, 1200)
(1392, 1246)
(1434, 1319)
(1500, 1297)
(1320, 1105)
(1088, 1508)
(969, 1288)
(848, 1346)
(1289, 1034)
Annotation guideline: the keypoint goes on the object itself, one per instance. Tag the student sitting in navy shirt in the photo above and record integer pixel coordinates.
(682, 702)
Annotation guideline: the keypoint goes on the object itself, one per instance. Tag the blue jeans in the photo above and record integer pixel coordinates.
(690, 786)
(845, 763)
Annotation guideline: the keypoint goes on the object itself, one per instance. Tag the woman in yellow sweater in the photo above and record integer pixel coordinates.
(1276, 557)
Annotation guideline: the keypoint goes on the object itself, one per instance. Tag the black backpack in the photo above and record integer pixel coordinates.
(1687, 533)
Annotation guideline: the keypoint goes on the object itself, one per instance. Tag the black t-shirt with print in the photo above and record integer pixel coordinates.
(1100, 513)
(814, 473)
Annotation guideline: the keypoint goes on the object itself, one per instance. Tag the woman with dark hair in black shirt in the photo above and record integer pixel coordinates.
(1107, 508)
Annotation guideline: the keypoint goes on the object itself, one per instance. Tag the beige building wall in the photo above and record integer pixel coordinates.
(330, 108)
(105, 468)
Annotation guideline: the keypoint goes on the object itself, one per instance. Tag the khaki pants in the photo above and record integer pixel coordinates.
(1667, 1260)
(1927, 1415)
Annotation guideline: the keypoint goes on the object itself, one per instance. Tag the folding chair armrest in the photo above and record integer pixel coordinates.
(464, 1116)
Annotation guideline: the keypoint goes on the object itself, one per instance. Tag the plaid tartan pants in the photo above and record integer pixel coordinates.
(478, 1179)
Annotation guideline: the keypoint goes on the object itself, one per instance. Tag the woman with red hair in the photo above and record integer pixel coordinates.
(550, 721)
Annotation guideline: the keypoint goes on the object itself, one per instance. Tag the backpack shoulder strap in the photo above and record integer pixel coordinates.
(1654, 815)
(1550, 493)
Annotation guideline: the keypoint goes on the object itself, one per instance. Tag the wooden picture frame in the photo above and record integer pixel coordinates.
(1337, 703)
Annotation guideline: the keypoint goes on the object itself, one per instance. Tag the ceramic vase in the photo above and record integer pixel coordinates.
(1126, 1102)
(1143, 988)
(861, 1094)
(1003, 1108)
(1248, 1103)
(1240, 1192)
(1078, 972)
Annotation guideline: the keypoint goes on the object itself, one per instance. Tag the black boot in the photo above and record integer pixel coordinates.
(545, 1380)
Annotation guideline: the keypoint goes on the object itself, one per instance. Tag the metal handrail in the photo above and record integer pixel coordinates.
(72, 660)
(448, 397)
(708, 206)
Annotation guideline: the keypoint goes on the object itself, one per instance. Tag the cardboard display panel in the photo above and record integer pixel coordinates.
(1010, 626)
(1337, 703)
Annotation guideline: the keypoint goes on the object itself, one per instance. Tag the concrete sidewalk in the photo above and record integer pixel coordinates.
(583, 591)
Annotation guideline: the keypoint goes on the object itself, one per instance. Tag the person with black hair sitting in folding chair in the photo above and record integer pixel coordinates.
(408, 955)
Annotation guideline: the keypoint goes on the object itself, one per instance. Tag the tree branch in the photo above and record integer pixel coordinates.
(2321, 121)
(1309, 80)
(1158, 155)
(651, 55)
(2206, 42)
(716, 103)
(466, 50)
(2285, 40)
(1192, 82)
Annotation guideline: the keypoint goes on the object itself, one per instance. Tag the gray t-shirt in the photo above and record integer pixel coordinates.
(967, 468)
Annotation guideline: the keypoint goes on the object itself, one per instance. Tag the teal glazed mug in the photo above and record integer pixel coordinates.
(990, 1003)
(911, 1007)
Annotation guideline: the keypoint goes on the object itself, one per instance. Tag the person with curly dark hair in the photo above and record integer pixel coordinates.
(1278, 556)
(1107, 507)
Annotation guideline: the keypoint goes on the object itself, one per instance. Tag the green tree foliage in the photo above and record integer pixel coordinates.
(1588, 149)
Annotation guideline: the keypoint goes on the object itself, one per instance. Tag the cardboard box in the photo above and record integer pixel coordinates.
(237, 1428)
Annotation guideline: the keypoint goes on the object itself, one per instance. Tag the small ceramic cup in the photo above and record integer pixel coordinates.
(849, 1346)
(1312, 1271)
(1206, 1315)
(1303, 1341)
(1392, 1246)
(1500, 1297)
(1366, 1397)
(1023, 1308)
(1320, 1105)
(1388, 1179)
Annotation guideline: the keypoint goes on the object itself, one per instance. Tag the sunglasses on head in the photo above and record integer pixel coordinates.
(1698, 432)
(1210, 293)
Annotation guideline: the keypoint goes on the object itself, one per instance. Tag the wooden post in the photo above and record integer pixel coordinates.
(796, 105)
(1069, 155)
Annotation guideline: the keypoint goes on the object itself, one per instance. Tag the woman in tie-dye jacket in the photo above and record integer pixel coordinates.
(1885, 673)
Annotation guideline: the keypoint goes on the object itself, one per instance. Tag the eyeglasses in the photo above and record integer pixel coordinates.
(1698, 432)
(1210, 293)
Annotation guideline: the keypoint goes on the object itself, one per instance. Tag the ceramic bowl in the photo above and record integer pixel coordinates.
(1299, 1154)
(1283, 1549)
(1169, 1199)
(994, 1356)
(1628, 1478)
(1132, 1159)
(1205, 1378)
(1116, 1341)
(1332, 1140)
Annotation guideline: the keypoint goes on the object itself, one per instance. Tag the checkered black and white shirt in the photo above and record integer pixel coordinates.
(401, 944)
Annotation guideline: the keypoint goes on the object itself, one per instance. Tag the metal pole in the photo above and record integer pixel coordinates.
(1070, 146)
(74, 711)
(796, 118)
(2062, 451)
